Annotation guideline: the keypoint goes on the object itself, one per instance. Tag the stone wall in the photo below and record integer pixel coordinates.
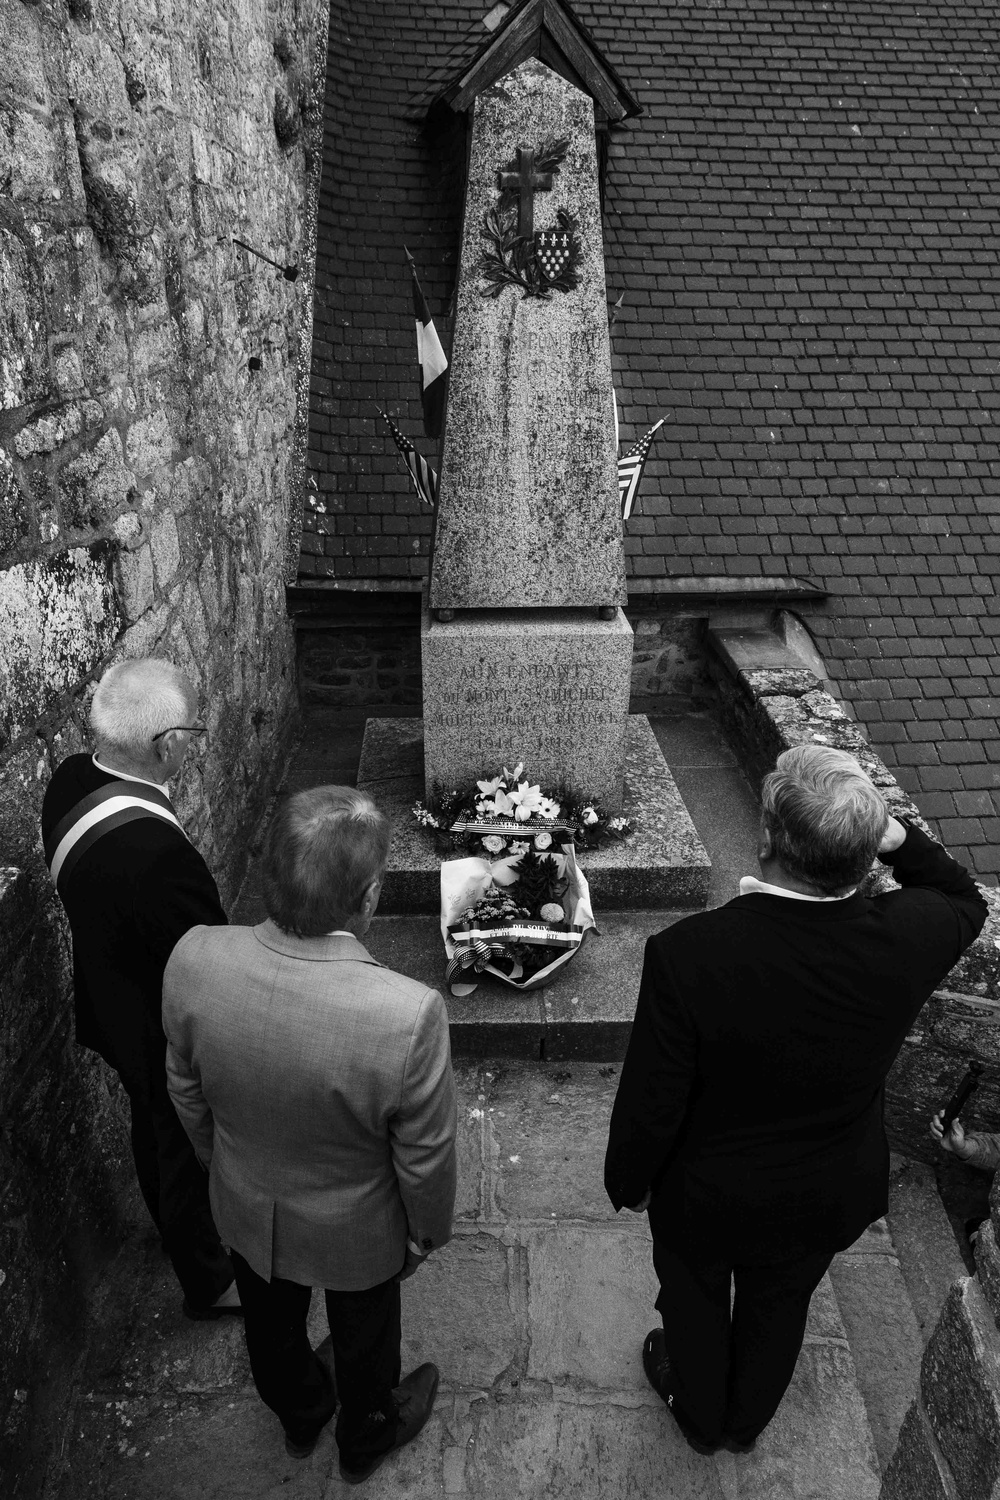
(949, 1443)
(148, 373)
(358, 650)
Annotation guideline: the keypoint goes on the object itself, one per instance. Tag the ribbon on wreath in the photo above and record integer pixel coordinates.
(477, 957)
(510, 828)
(476, 947)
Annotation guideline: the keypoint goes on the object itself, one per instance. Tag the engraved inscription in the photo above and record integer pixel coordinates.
(546, 344)
(527, 709)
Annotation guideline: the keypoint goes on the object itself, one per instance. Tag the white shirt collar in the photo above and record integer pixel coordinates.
(750, 885)
(125, 776)
(339, 933)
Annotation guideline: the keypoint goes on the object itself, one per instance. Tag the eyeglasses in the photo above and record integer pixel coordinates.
(188, 729)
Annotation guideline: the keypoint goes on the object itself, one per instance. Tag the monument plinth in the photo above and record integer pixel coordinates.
(546, 687)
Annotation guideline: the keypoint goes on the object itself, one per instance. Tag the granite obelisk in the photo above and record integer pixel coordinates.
(526, 651)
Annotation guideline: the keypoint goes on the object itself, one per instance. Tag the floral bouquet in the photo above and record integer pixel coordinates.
(508, 814)
(519, 919)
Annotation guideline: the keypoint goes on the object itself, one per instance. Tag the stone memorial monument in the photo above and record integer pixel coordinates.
(526, 651)
(518, 663)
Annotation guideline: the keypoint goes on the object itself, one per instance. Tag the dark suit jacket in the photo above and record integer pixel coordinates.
(132, 895)
(750, 1098)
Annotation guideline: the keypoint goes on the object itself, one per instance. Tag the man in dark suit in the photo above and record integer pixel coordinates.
(132, 884)
(748, 1118)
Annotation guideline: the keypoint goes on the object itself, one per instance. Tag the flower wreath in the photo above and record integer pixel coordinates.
(507, 815)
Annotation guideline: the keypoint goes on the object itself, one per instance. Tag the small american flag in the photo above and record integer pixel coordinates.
(630, 467)
(425, 480)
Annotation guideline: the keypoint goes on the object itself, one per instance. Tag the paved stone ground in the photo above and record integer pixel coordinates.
(535, 1314)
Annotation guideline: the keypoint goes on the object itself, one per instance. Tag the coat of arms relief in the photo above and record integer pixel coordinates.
(538, 261)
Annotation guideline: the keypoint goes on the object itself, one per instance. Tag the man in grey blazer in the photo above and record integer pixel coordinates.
(316, 1087)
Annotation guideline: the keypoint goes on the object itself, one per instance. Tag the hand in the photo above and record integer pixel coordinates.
(954, 1142)
(894, 835)
(642, 1205)
(411, 1265)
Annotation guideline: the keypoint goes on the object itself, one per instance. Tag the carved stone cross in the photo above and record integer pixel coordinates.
(526, 180)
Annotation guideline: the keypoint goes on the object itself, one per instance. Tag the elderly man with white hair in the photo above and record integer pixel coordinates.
(749, 1111)
(132, 884)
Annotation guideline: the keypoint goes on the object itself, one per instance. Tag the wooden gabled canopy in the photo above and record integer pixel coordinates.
(548, 30)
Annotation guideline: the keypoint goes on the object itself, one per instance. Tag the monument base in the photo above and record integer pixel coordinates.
(663, 866)
(546, 687)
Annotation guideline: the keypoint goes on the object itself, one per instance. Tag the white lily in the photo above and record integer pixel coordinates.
(500, 807)
(527, 800)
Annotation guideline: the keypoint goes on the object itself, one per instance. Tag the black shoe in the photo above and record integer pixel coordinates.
(210, 1314)
(732, 1446)
(413, 1399)
(303, 1448)
(656, 1363)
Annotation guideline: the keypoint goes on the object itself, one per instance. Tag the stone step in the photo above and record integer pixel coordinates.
(882, 1331)
(891, 1286)
(925, 1243)
(664, 864)
(585, 1013)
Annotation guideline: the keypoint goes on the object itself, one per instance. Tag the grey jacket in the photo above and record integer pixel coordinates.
(317, 1088)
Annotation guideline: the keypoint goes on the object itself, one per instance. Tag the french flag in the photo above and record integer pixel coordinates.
(431, 358)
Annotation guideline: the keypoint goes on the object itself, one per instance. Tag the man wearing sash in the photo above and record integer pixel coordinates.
(132, 884)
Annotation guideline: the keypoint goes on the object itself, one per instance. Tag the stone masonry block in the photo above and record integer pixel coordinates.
(166, 548)
(135, 582)
(94, 486)
(149, 443)
(960, 1386)
(15, 913)
(58, 618)
(988, 1263)
(917, 1470)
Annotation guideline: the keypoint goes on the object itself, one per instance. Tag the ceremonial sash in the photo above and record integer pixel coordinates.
(97, 814)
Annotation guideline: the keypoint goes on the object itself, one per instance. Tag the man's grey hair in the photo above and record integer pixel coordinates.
(322, 850)
(825, 817)
(136, 700)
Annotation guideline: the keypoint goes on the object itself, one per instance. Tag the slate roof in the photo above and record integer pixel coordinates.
(804, 224)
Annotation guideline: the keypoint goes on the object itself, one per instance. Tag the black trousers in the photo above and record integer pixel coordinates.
(365, 1333)
(174, 1185)
(731, 1369)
